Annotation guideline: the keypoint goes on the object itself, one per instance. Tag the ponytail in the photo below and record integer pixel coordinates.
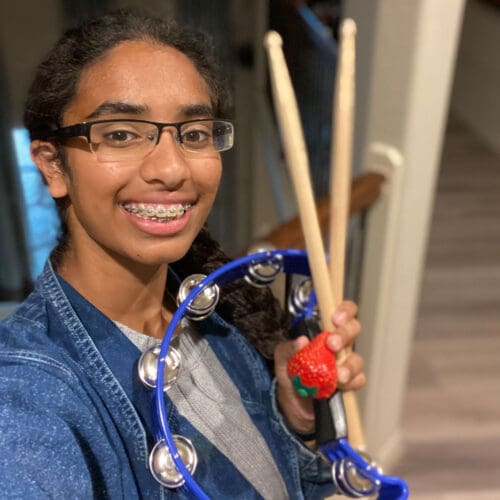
(261, 320)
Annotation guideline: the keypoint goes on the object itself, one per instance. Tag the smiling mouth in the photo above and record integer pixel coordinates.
(157, 212)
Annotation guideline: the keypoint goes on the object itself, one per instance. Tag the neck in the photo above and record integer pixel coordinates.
(131, 294)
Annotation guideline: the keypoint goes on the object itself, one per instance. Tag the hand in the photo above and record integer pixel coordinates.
(299, 411)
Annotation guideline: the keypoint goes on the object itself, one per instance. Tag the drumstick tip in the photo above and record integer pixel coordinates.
(273, 39)
(348, 27)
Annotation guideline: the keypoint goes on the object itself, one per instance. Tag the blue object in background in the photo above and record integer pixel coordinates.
(41, 219)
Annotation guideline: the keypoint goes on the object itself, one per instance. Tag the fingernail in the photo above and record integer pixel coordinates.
(339, 317)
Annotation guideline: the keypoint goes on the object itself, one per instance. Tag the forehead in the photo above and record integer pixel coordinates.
(158, 77)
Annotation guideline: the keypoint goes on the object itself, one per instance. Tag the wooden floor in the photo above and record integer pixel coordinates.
(452, 412)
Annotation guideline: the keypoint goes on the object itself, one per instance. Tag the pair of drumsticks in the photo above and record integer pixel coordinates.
(328, 276)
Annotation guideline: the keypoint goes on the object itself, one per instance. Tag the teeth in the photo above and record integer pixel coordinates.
(160, 213)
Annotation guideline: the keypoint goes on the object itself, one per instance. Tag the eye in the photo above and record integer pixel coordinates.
(122, 134)
(197, 136)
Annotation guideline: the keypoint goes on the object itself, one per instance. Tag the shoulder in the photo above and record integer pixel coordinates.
(26, 318)
(22, 368)
(38, 387)
(29, 357)
(28, 345)
(37, 378)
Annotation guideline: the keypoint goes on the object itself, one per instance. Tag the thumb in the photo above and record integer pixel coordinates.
(300, 342)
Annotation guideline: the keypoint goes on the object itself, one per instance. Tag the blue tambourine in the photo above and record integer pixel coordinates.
(173, 459)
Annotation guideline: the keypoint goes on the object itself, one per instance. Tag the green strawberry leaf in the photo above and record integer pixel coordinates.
(302, 389)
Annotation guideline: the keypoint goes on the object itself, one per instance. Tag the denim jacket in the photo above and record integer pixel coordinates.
(75, 421)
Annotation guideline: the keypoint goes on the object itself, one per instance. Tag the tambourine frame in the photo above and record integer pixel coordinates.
(294, 261)
(291, 262)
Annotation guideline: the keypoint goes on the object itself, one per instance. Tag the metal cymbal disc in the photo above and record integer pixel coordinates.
(148, 366)
(351, 481)
(300, 296)
(204, 303)
(163, 467)
(264, 271)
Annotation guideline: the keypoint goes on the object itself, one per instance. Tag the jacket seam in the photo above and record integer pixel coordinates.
(40, 359)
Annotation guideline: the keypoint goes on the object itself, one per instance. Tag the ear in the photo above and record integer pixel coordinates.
(44, 155)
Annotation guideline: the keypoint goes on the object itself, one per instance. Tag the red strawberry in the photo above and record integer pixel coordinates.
(313, 369)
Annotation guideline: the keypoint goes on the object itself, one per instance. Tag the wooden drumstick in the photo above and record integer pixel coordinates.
(298, 164)
(340, 189)
(341, 156)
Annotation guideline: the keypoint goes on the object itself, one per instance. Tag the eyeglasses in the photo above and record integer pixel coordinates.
(132, 140)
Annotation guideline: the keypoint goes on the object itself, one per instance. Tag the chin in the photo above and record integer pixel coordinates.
(158, 258)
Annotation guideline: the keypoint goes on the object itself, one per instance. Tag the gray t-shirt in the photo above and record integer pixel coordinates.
(205, 395)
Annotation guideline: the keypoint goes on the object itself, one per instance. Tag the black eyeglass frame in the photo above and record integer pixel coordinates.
(83, 129)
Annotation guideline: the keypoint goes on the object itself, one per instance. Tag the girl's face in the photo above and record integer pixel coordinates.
(138, 80)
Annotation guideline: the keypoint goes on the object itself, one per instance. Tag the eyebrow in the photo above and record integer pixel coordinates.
(194, 110)
(119, 107)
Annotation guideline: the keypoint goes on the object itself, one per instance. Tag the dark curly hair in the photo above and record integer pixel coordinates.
(57, 76)
(261, 320)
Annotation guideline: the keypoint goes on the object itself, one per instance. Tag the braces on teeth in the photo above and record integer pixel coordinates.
(160, 213)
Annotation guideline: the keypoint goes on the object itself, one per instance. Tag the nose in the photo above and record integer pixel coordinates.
(166, 164)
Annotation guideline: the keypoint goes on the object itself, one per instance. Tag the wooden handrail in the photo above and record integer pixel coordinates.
(365, 191)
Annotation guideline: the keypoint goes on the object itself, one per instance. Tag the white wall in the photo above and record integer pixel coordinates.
(412, 45)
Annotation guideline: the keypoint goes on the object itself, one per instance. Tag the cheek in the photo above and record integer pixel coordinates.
(208, 176)
(89, 180)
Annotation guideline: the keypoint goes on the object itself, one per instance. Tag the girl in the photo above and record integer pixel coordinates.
(128, 118)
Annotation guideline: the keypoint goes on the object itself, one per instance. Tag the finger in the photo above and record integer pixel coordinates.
(350, 369)
(300, 342)
(356, 383)
(345, 312)
(343, 337)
